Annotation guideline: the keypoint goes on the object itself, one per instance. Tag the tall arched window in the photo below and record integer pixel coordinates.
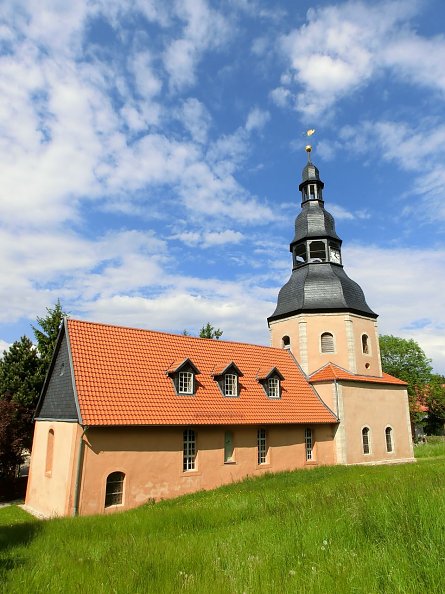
(365, 344)
(388, 439)
(327, 343)
(366, 441)
(49, 453)
(115, 489)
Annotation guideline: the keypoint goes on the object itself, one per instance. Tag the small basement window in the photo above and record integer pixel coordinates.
(327, 343)
(115, 489)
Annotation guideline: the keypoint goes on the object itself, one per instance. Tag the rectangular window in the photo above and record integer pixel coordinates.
(262, 446)
(228, 447)
(230, 384)
(189, 456)
(308, 444)
(185, 382)
(366, 440)
(274, 387)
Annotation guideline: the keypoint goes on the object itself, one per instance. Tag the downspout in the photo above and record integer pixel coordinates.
(79, 472)
(336, 398)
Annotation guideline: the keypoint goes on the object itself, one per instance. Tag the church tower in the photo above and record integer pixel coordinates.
(322, 315)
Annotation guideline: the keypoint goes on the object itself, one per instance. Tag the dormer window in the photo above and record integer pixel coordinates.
(183, 375)
(228, 380)
(273, 387)
(271, 382)
(185, 382)
(230, 384)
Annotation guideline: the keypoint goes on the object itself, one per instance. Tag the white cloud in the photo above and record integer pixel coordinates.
(342, 48)
(206, 239)
(4, 346)
(257, 119)
(402, 286)
(205, 29)
(196, 119)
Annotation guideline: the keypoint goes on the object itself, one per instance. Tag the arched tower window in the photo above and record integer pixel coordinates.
(49, 453)
(365, 344)
(115, 489)
(327, 343)
(285, 342)
(366, 440)
(388, 439)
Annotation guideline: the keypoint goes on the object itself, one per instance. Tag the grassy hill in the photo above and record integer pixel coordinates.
(336, 529)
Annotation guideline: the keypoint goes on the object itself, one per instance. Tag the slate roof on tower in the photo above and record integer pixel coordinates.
(122, 376)
(318, 282)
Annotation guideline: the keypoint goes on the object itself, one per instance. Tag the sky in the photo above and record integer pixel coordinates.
(151, 152)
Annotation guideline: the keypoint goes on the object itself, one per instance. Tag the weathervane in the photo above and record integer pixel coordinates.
(308, 147)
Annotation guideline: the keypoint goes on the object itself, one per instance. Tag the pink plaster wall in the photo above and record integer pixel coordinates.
(151, 459)
(51, 493)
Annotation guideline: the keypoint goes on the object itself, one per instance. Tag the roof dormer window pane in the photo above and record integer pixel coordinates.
(230, 384)
(274, 387)
(185, 382)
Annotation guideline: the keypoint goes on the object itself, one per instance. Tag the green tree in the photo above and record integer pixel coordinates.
(19, 392)
(19, 372)
(435, 401)
(208, 331)
(46, 336)
(404, 359)
(23, 369)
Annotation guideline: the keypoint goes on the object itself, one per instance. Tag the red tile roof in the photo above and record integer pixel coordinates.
(121, 379)
(330, 372)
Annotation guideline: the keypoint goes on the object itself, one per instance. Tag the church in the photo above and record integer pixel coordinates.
(128, 416)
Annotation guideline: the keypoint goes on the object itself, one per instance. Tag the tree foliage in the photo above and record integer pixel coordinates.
(46, 336)
(404, 359)
(434, 399)
(23, 368)
(209, 331)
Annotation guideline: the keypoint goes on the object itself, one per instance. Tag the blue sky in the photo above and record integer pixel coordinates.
(150, 156)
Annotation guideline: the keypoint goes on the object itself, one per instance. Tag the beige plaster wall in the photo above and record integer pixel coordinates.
(305, 330)
(51, 493)
(377, 407)
(151, 459)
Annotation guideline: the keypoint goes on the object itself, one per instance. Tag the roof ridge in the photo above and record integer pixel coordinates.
(182, 336)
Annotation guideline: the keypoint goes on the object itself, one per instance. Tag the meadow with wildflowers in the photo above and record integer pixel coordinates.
(330, 529)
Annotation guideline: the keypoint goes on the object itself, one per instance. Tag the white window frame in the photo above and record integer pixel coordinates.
(185, 382)
(390, 434)
(273, 388)
(309, 444)
(366, 444)
(230, 385)
(189, 450)
(262, 446)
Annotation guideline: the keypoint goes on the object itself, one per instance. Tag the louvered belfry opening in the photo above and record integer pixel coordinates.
(327, 343)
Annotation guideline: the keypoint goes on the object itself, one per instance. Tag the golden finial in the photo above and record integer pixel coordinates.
(308, 147)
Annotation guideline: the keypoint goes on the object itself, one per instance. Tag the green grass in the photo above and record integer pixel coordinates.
(333, 529)
(435, 447)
